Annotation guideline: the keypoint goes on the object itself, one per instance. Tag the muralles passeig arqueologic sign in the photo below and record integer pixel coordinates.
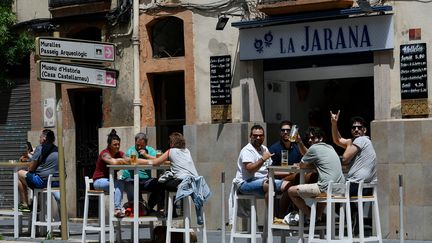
(73, 49)
(76, 74)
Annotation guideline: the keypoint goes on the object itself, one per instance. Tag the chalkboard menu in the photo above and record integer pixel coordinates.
(220, 80)
(413, 71)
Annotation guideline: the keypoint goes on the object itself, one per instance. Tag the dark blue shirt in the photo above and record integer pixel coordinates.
(294, 155)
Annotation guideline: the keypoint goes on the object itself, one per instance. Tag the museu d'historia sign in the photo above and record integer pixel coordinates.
(53, 51)
(66, 73)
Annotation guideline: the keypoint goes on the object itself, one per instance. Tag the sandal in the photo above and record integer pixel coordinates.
(118, 213)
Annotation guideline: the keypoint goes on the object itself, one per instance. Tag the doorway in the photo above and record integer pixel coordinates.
(87, 111)
(307, 95)
(170, 113)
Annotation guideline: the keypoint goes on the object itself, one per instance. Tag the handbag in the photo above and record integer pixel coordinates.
(167, 175)
(142, 206)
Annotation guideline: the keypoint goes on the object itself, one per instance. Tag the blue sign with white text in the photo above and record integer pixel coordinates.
(317, 38)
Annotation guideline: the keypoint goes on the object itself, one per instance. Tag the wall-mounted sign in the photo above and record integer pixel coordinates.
(317, 38)
(82, 75)
(49, 112)
(413, 71)
(413, 78)
(74, 49)
(220, 88)
(220, 80)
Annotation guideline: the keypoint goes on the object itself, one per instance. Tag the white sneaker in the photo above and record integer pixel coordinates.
(292, 218)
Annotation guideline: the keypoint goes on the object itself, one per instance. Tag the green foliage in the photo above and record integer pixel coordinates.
(49, 236)
(14, 45)
(1, 237)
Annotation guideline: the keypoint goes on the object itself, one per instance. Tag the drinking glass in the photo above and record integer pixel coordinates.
(158, 153)
(133, 158)
(284, 158)
(293, 134)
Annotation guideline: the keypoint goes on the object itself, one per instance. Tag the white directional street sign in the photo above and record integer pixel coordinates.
(74, 49)
(82, 75)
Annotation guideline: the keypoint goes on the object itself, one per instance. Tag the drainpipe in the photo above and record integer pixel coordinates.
(136, 74)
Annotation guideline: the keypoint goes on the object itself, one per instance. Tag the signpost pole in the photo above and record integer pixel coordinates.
(53, 51)
(61, 165)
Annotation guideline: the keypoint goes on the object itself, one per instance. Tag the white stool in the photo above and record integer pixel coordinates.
(252, 233)
(187, 229)
(102, 228)
(336, 193)
(373, 199)
(45, 216)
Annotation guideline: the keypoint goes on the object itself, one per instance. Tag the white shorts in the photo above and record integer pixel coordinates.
(308, 190)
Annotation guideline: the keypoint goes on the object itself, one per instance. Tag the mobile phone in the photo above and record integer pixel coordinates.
(29, 147)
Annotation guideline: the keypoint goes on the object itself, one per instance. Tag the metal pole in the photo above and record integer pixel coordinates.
(401, 215)
(136, 68)
(223, 205)
(61, 164)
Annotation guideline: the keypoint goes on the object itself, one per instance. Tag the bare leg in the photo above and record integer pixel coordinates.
(298, 200)
(22, 186)
(285, 200)
(320, 210)
(266, 188)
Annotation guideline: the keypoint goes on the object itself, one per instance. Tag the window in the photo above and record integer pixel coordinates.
(167, 38)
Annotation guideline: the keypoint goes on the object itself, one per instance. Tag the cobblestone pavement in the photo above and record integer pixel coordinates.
(213, 236)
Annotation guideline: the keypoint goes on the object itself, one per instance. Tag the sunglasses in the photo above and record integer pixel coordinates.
(285, 130)
(356, 127)
(257, 135)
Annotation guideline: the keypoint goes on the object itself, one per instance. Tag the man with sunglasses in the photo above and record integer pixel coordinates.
(295, 153)
(359, 152)
(251, 177)
(294, 150)
(324, 158)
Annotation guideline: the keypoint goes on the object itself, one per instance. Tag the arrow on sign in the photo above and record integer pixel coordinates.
(109, 52)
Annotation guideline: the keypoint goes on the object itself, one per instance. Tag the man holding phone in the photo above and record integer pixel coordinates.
(28, 154)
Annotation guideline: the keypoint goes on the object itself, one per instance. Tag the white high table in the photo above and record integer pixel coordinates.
(15, 213)
(270, 221)
(136, 219)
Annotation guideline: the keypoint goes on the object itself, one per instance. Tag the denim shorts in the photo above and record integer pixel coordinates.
(34, 181)
(255, 187)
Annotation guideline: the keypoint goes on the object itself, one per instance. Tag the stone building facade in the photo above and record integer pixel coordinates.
(175, 91)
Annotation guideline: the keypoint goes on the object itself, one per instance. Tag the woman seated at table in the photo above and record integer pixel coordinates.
(182, 169)
(112, 156)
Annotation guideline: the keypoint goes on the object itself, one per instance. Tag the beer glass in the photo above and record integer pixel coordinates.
(158, 153)
(284, 158)
(293, 134)
(133, 158)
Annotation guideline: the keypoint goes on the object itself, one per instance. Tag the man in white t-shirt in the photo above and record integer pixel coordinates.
(251, 177)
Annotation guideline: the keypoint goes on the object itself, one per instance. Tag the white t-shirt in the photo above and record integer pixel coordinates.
(182, 164)
(250, 155)
(363, 165)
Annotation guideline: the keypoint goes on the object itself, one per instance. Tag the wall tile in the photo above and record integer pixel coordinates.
(379, 133)
(413, 184)
(411, 148)
(425, 133)
(394, 171)
(392, 231)
(383, 183)
(396, 144)
(426, 179)
(414, 215)
(427, 216)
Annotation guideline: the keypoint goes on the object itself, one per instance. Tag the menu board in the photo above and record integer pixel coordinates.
(413, 71)
(220, 80)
